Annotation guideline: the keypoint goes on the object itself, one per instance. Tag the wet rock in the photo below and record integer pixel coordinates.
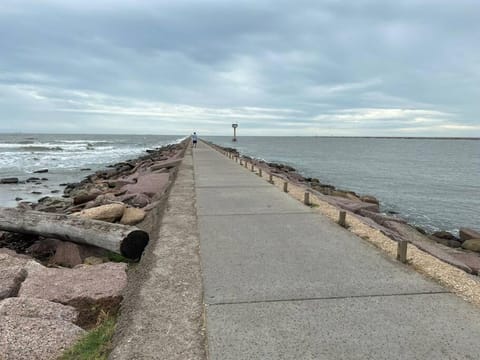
(34, 338)
(18, 199)
(17, 242)
(132, 216)
(55, 191)
(44, 179)
(446, 242)
(88, 288)
(41, 171)
(43, 249)
(9, 180)
(472, 245)
(466, 234)
(444, 235)
(85, 169)
(36, 192)
(37, 308)
(370, 199)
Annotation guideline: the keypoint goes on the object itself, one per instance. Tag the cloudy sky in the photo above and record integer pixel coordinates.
(320, 67)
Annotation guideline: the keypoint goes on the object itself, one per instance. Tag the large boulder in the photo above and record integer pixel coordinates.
(37, 308)
(466, 234)
(108, 213)
(369, 199)
(472, 245)
(88, 288)
(12, 274)
(43, 248)
(444, 235)
(149, 184)
(70, 254)
(137, 200)
(25, 338)
(132, 216)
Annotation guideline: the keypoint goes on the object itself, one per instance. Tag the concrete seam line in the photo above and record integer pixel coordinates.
(256, 214)
(329, 298)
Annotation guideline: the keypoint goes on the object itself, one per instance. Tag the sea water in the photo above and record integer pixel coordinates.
(64, 156)
(432, 183)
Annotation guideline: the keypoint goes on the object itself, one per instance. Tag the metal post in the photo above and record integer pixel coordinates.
(402, 251)
(285, 186)
(342, 218)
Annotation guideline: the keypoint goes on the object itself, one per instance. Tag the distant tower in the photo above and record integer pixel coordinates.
(234, 126)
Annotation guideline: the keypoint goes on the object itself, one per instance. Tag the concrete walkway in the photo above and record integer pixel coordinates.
(284, 283)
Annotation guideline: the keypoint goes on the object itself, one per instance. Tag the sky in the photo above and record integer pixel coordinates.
(315, 68)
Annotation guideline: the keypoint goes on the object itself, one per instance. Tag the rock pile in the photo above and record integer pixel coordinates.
(51, 291)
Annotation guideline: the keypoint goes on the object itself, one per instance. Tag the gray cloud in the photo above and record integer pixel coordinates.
(334, 67)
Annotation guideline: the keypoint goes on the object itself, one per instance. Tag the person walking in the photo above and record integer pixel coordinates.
(194, 139)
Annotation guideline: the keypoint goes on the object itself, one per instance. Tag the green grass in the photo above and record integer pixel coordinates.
(95, 345)
(117, 257)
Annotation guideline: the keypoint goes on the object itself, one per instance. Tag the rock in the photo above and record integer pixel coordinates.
(67, 254)
(85, 169)
(105, 199)
(84, 196)
(472, 245)
(10, 280)
(369, 199)
(446, 242)
(109, 213)
(37, 308)
(444, 235)
(55, 191)
(12, 274)
(132, 216)
(32, 179)
(165, 164)
(93, 260)
(9, 180)
(36, 192)
(41, 171)
(18, 199)
(137, 200)
(466, 234)
(89, 288)
(149, 184)
(43, 248)
(34, 338)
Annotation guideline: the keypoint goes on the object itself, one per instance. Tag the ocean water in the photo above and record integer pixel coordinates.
(64, 156)
(432, 183)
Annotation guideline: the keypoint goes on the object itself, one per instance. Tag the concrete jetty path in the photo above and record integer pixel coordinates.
(281, 282)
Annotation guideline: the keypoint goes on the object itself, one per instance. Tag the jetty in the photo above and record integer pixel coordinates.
(283, 282)
(243, 270)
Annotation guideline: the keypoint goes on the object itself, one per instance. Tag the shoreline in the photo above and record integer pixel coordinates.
(441, 244)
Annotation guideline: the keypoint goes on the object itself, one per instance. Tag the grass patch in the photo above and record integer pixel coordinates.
(117, 257)
(314, 205)
(96, 344)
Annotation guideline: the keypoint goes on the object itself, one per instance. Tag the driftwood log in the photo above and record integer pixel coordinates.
(128, 241)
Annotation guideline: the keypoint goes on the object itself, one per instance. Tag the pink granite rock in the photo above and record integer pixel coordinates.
(25, 338)
(88, 288)
(149, 184)
(37, 308)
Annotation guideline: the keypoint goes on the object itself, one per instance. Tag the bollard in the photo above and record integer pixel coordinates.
(246, 164)
(270, 179)
(236, 159)
(253, 168)
(241, 162)
(260, 172)
(285, 186)
(402, 251)
(341, 218)
(306, 198)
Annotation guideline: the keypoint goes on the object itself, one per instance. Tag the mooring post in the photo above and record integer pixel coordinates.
(246, 164)
(260, 172)
(270, 179)
(241, 162)
(285, 186)
(306, 198)
(402, 251)
(253, 168)
(341, 218)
